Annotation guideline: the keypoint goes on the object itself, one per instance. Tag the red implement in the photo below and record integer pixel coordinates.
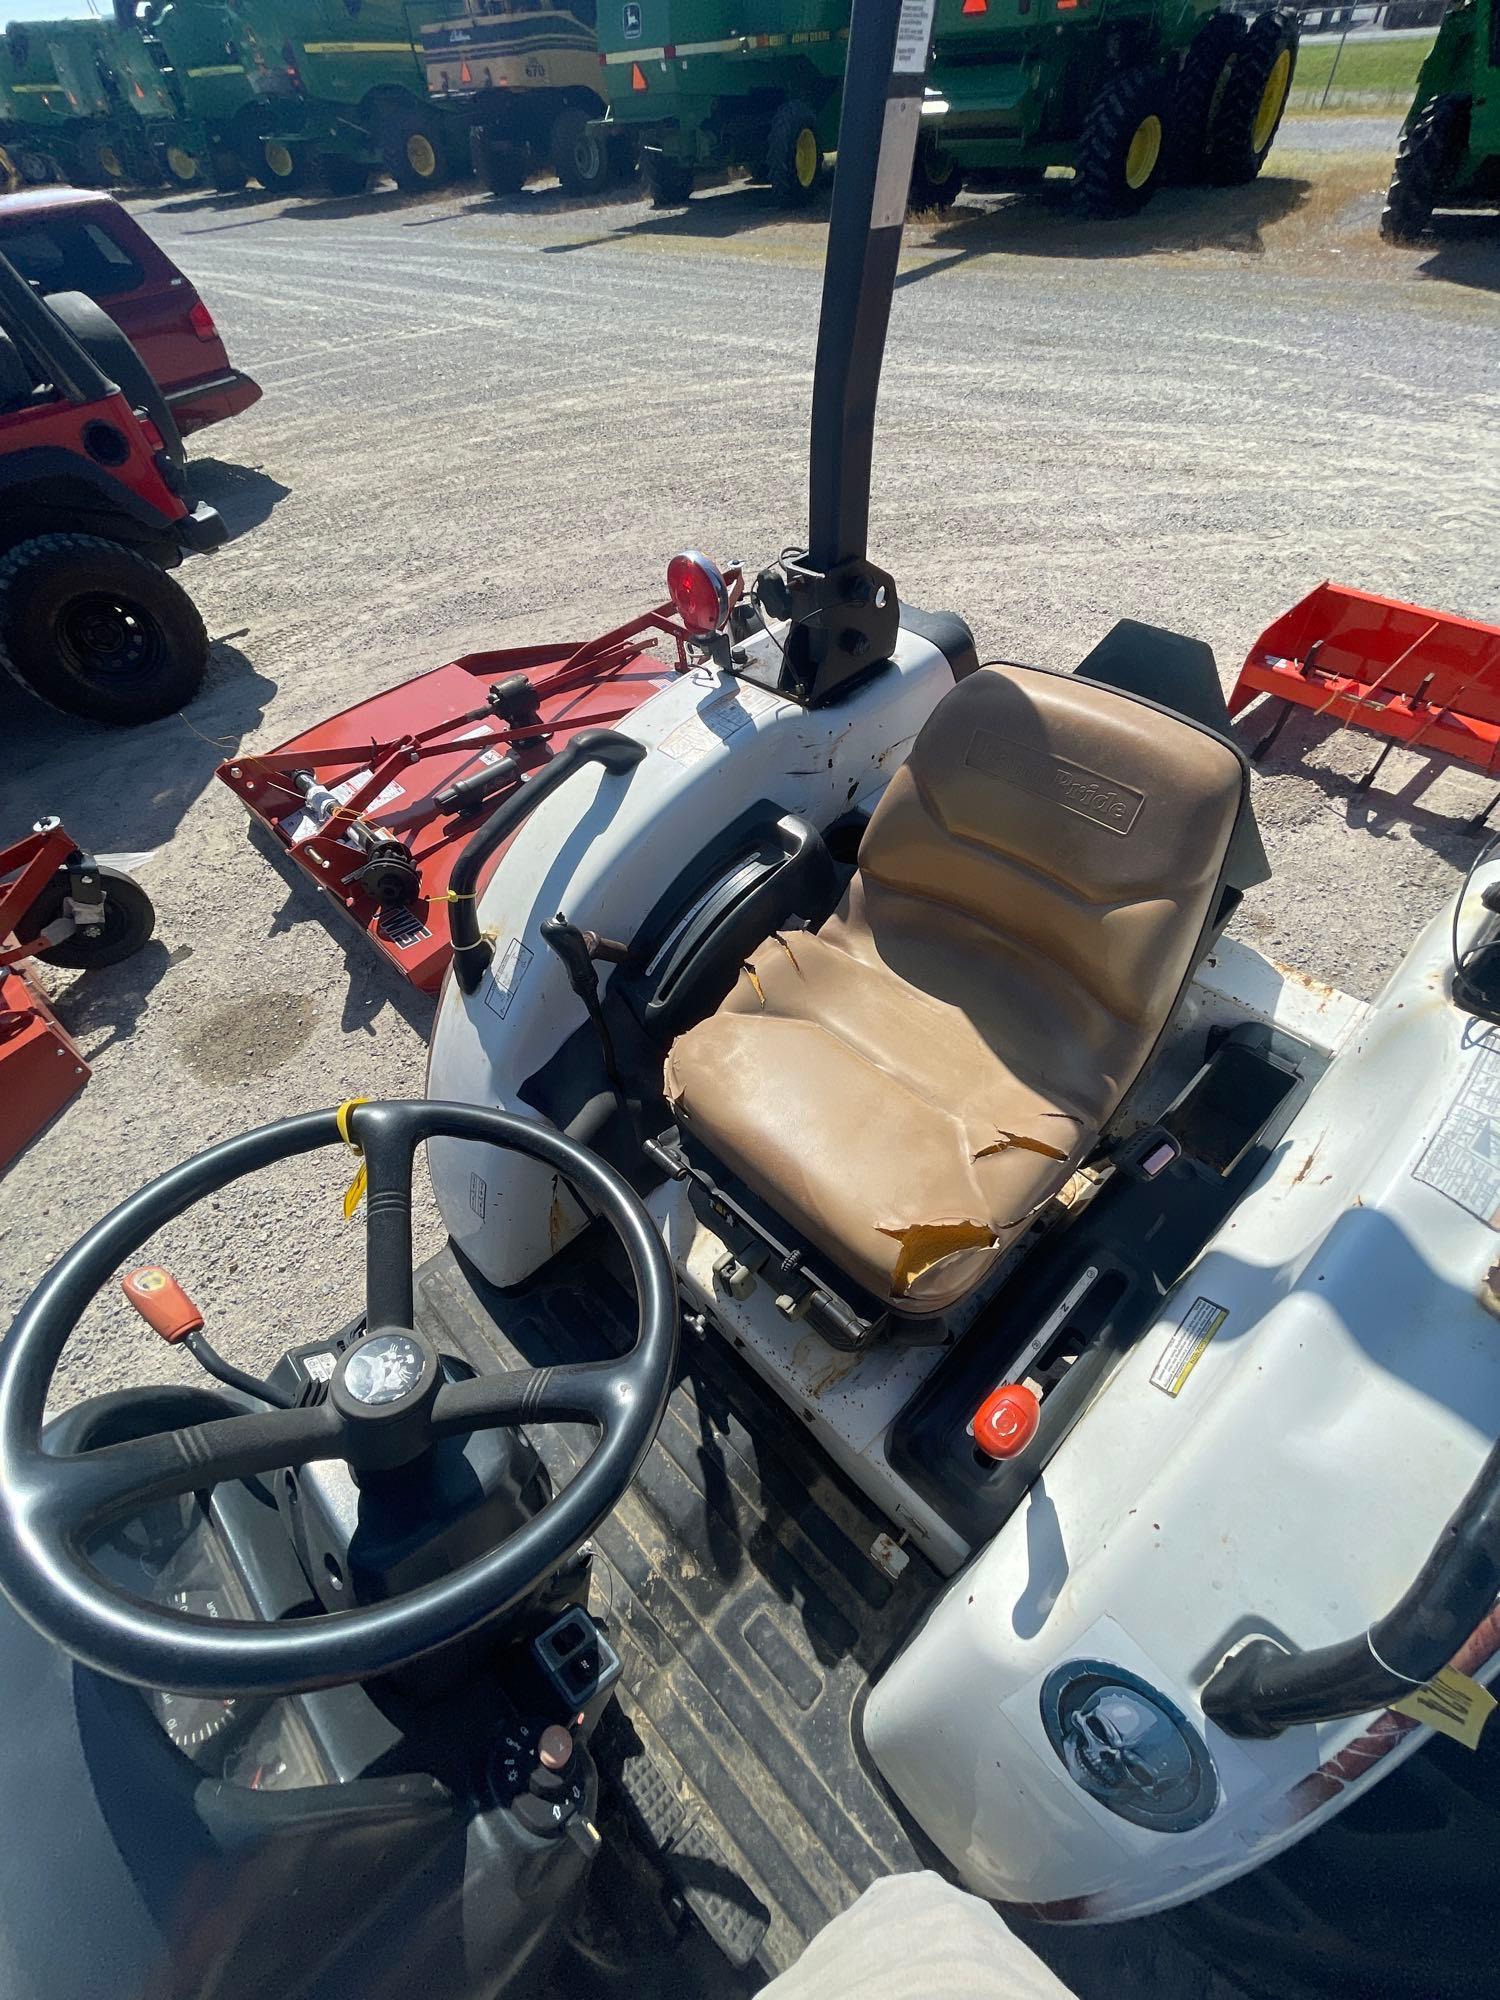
(1425, 679)
(366, 805)
(42, 1065)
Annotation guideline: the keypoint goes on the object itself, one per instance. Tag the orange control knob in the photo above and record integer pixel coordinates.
(161, 1302)
(1006, 1421)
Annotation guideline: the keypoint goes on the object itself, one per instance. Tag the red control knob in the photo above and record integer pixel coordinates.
(161, 1302)
(1006, 1421)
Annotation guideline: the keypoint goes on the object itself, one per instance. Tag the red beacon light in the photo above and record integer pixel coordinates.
(698, 591)
(1006, 1421)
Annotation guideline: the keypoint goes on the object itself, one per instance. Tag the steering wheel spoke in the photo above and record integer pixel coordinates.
(387, 1137)
(87, 1489)
(590, 1392)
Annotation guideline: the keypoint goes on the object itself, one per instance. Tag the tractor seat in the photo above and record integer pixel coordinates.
(908, 1085)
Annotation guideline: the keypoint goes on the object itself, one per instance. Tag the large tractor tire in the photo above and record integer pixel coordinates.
(1122, 150)
(343, 175)
(1249, 114)
(226, 171)
(115, 352)
(96, 629)
(1201, 83)
(183, 168)
(1430, 150)
(578, 157)
(1396, 1896)
(409, 139)
(503, 166)
(101, 161)
(794, 159)
(280, 170)
(668, 182)
(36, 168)
(937, 180)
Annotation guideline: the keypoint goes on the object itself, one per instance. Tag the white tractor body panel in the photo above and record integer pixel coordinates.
(603, 850)
(1293, 1484)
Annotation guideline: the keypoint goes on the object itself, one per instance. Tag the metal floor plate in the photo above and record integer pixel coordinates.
(741, 1593)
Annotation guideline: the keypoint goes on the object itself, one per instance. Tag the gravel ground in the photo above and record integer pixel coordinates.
(487, 422)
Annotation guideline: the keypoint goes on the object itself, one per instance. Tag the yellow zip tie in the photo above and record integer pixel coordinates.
(354, 1194)
(455, 896)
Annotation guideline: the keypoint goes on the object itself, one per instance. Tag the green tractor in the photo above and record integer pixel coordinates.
(213, 123)
(36, 119)
(109, 126)
(1126, 93)
(1449, 155)
(344, 95)
(702, 84)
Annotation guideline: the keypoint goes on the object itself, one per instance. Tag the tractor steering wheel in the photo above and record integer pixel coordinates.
(374, 1417)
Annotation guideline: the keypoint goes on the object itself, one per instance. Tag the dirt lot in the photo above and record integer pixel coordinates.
(490, 421)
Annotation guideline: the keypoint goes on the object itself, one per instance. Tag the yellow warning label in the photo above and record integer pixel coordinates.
(1185, 1345)
(1451, 1704)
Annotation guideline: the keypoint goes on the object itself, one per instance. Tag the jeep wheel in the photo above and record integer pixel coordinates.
(1122, 150)
(96, 629)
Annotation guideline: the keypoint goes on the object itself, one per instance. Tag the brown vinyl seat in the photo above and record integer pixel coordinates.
(911, 1083)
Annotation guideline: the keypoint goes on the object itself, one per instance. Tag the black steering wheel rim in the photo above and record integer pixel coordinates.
(42, 1569)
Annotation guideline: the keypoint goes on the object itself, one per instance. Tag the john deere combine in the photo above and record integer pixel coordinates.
(1449, 155)
(210, 118)
(1125, 93)
(36, 120)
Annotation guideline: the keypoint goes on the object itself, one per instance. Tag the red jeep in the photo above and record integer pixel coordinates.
(74, 240)
(92, 515)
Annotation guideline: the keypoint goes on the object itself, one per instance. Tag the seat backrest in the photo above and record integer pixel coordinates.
(1085, 830)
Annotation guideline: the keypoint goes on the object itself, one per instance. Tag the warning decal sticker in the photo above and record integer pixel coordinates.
(913, 33)
(1184, 1349)
(505, 977)
(1463, 1159)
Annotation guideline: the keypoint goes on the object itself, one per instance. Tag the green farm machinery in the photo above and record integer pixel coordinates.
(209, 117)
(38, 129)
(1125, 93)
(1449, 155)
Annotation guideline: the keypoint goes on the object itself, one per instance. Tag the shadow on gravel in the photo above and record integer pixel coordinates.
(373, 984)
(1044, 223)
(115, 997)
(1468, 251)
(243, 494)
(713, 213)
(127, 790)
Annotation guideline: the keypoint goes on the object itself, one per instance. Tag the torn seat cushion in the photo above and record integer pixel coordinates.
(909, 1085)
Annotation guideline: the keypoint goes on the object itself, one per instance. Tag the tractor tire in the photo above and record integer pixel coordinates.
(794, 159)
(1201, 83)
(226, 171)
(503, 167)
(129, 920)
(624, 158)
(1430, 149)
(183, 169)
(1391, 1897)
(37, 169)
(578, 157)
(937, 180)
(281, 171)
(409, 139)
(95, 629)
(99, 337)
(342, 175)
(1122, 150)
(668, 182)
(1249, 115)
(101, 163)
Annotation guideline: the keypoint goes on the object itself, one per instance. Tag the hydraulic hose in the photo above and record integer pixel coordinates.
(1262, 1689)
(471, 952)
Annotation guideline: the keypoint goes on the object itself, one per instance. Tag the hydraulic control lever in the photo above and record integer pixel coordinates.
(168, 1311)
(578, 949)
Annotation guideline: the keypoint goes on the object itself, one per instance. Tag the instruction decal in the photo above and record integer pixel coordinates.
(913, 33)
(1462, 1160)
(724, 714)
(1184, 1349)
(506, 974)
(1451, 1704)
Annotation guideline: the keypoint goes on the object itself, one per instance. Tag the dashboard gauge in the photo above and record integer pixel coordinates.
(191, 1720)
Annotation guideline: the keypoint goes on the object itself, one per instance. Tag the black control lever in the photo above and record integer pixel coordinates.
(577, 949)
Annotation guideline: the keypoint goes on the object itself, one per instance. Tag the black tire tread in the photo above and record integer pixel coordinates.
(787, 122)
(1232, 159)
(1117, 109)
(129, 920)
(668, 182)
(1217, 42)
(182, 685)
(1424, 160)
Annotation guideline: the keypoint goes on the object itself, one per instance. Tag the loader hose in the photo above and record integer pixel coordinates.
(472, 952)
(1262, 1688)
